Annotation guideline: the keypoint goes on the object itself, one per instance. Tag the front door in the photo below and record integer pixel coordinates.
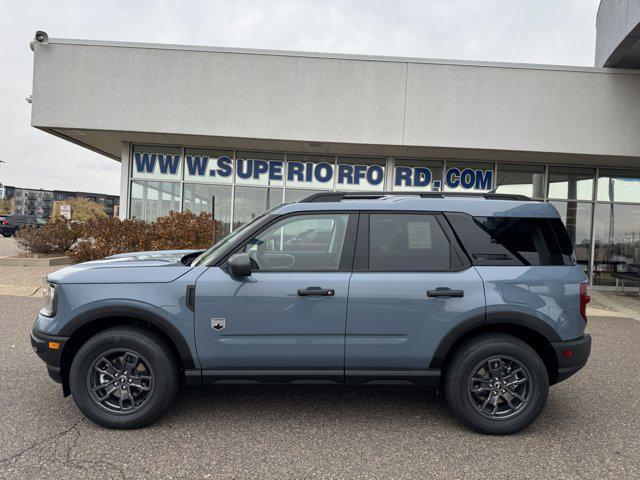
(409, 290)
(286, 321)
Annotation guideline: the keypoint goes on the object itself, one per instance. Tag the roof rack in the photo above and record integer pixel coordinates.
(339, 196)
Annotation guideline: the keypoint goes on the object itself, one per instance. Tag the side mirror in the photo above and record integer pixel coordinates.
(239, 265)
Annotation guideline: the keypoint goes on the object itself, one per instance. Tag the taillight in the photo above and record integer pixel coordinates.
(584, 299)
(4, 222)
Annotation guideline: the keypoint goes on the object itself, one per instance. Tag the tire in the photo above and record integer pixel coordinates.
(483, 404)
(150, 385)
(6, 234)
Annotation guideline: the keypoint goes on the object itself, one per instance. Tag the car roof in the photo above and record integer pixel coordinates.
(482, 205)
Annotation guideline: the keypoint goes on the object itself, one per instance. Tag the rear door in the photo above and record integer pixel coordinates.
(411, 286)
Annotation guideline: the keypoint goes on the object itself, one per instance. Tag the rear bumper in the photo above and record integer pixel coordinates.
(568, 364)
(41, 344)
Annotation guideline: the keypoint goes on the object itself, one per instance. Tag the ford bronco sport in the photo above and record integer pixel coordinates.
(479, 296)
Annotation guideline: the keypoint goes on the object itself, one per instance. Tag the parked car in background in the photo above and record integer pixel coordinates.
(10, 224)
(479, 296)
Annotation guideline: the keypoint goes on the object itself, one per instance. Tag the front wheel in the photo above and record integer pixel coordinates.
(124, 377)
(496, 384)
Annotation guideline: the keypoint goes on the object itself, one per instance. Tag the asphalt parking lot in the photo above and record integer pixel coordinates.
(590, 428)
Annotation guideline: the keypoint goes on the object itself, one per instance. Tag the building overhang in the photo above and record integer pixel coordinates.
(101, 94)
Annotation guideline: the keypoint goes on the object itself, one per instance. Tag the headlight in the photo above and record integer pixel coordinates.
(50, 300)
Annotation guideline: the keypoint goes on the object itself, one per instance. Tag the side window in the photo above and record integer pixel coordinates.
(513, 240)
(530, 240)
(300, 243)
(407, 242)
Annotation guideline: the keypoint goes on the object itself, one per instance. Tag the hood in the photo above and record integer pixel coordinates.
(136, 267)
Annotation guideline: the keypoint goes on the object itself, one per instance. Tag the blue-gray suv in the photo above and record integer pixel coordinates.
(477, 295)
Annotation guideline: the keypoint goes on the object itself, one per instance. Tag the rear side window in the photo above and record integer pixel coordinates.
(519, 241)
(407, 242)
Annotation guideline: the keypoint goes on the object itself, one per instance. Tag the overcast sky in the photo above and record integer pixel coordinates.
(527, 31)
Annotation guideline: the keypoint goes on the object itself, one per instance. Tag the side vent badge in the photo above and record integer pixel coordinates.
(218, 323)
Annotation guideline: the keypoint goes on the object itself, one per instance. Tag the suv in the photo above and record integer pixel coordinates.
(479, 296)
(10, 224)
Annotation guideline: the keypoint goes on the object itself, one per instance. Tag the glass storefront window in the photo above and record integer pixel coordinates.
(210, 178)
(215, 199)
(310, 171)
(521, 180)
(617, 241)
(297, 194)
(417, 175)
(208, 165)
(156, 163)
(469, 176)
(249, 202)
(150, 200)
(576, 216)
(571, 183)
(360, 174)
(618, 185)
(260, 168)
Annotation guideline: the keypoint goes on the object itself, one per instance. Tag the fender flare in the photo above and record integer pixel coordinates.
(496, 318)
(134, 313)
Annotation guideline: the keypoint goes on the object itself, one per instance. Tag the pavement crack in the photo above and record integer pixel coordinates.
(54, 437)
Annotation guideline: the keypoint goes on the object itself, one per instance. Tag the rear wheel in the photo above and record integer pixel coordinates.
(124, 377)
(496, 384)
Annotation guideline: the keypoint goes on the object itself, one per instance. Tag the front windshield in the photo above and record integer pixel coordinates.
(207, 255)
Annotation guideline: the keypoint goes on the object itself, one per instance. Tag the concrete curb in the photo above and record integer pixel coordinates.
(616, 306)
(33, 262)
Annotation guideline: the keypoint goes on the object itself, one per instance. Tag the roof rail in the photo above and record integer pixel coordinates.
(339, 196)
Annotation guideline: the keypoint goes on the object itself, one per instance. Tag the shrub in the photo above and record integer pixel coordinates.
(82, 209)
(101, 236)
(56, 236)
(6, 206)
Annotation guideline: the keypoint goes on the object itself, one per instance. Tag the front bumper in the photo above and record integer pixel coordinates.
(580, 349)
(49, 349)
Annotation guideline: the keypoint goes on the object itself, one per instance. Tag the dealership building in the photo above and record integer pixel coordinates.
(235, 132)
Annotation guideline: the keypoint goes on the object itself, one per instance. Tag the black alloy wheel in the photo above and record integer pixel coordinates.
(499, 387)
(121, 381)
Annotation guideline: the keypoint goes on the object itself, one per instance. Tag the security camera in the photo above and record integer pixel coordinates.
(40, 37)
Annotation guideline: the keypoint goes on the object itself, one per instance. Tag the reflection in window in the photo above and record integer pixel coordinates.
(618, 186)
(215, 199)
(301, 243)
(150, 200)
(249, 202)
(576, 217)
(571, 183)
(405, 242)
(617, 241)
(297, 194)
(521, 180)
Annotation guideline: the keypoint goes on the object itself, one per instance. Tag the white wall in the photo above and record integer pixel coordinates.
(332, 98)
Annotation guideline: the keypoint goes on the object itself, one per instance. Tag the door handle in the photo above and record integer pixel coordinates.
(323, 292)
(445, 292)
